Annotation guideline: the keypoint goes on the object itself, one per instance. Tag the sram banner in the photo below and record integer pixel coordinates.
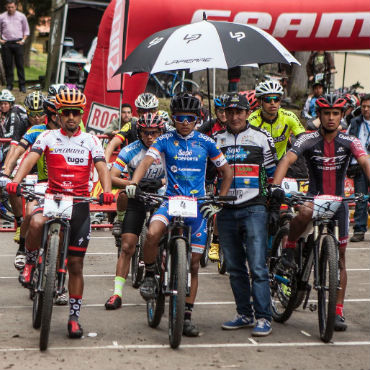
(100, 117)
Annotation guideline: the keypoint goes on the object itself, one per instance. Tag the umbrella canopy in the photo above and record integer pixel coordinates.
(205, 44)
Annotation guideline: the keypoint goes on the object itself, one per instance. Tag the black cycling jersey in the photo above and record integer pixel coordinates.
(327, 162)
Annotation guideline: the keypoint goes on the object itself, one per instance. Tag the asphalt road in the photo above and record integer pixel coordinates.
(122, 339)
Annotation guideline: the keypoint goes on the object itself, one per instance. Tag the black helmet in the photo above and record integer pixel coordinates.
(49, 105)
(34, 101)
(185, 103)
(330, 101)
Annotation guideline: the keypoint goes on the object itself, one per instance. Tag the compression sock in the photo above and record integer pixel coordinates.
(31, 256)
(149, 269)
(339, 309)
(215, 239)
(75, 302)
(22, 242)
(121, 215)
(188, 310)
(119, 282)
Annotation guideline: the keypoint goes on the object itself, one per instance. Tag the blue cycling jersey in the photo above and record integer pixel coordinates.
(132, 154)
(185, 160)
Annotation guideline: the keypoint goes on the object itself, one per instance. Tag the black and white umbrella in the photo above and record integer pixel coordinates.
(205, 45)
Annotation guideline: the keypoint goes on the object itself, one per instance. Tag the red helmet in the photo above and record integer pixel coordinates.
(352, 101)
(252, 100)
(150, 120)
(331, 101)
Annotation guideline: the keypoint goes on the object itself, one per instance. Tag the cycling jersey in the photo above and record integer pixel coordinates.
(128, 133)
(132, 155)
(211, 127)
(280, 129)
(69, 160)
(327, 162)
(251, 155)
(14, 127)
(185, 160)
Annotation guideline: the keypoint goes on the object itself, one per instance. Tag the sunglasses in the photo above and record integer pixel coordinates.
(270, 99)
(67, 112)
(141, 110)
(183, 118)
(151, 133)
(38, 113)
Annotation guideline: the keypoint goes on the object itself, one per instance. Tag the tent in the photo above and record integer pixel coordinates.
(78, 19)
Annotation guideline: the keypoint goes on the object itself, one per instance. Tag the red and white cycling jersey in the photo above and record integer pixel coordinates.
(69, 160)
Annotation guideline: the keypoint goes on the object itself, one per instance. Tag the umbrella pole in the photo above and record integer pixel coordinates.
(209, 95)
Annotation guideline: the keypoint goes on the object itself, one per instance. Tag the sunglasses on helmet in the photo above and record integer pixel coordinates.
(270, 99)
(66, 112)
(183, 118)
(35, 113)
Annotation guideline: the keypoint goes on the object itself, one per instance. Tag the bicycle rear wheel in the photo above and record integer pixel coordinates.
(50, 275)
(185, 86)
(178, 285)
(137, 264)
(328, 284)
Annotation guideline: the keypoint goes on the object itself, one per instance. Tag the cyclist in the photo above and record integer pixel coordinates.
(252, 100)
(185, 154)
(216, 124)
(242, 223)
(327, 153)
(35, 116)
(150, 126)
(309, 108)
(278, 122)
(24, 144)
(69, 154)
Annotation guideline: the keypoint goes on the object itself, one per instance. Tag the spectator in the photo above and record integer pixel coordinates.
(309, 110)
(233, 75)
(126, 117)
(360, 127)
(14, 31)
(204, 112)
(320, 62)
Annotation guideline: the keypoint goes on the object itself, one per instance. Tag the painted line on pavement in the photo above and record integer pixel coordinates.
(190, 346)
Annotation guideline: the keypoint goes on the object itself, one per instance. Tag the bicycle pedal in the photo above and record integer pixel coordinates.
(312, 307)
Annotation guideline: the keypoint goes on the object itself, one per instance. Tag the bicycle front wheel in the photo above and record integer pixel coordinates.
(185, 86)
(50, 275)
(37, 299)
(137, 264)
(178, 285)
(327, 291)
(221, 264)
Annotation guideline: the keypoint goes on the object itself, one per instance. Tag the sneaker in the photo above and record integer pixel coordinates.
(148, 288)
(113, 302)
(262, 328)
(340, 324)
(74, 329)
(17, 235)
(20, 260)
(288, 257)
(117, 228)
(213, 254)
(357, 237)
(61, 299)
(25, 278)
(189, 329)
(22, 89)
(239, 321)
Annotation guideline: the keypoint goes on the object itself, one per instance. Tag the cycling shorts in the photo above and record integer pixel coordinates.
(80, 228)
(134, 217)
(198, 227)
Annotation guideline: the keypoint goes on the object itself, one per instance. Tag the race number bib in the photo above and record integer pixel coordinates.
(58, 208)
(289, 185)
(182, 206)
(326, 205)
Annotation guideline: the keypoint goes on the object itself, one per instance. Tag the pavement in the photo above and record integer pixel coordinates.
(122, 339)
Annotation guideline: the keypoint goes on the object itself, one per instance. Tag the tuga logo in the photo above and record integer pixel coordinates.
(75, 160)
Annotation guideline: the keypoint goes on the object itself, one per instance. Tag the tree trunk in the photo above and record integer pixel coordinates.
(298, 78)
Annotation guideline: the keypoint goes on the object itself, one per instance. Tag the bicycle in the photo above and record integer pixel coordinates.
(173, 262)
(50, 270)
(177, 84)
(317, 249)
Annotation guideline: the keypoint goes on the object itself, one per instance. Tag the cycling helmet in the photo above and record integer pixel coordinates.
(220, 101)
(6, 95)
(34, 101)
(269, 87)
(49, 105)
(150, 120)
(146, 101)
(252, 100)
(70, 98)
(55, 88)
(352, 101)
(330, 101)
(185, 103)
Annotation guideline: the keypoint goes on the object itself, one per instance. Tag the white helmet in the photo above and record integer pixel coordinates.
(6, 95)
(269, 87)
(146, 101)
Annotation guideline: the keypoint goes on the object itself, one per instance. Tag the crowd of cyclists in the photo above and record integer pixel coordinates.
(245, 151)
